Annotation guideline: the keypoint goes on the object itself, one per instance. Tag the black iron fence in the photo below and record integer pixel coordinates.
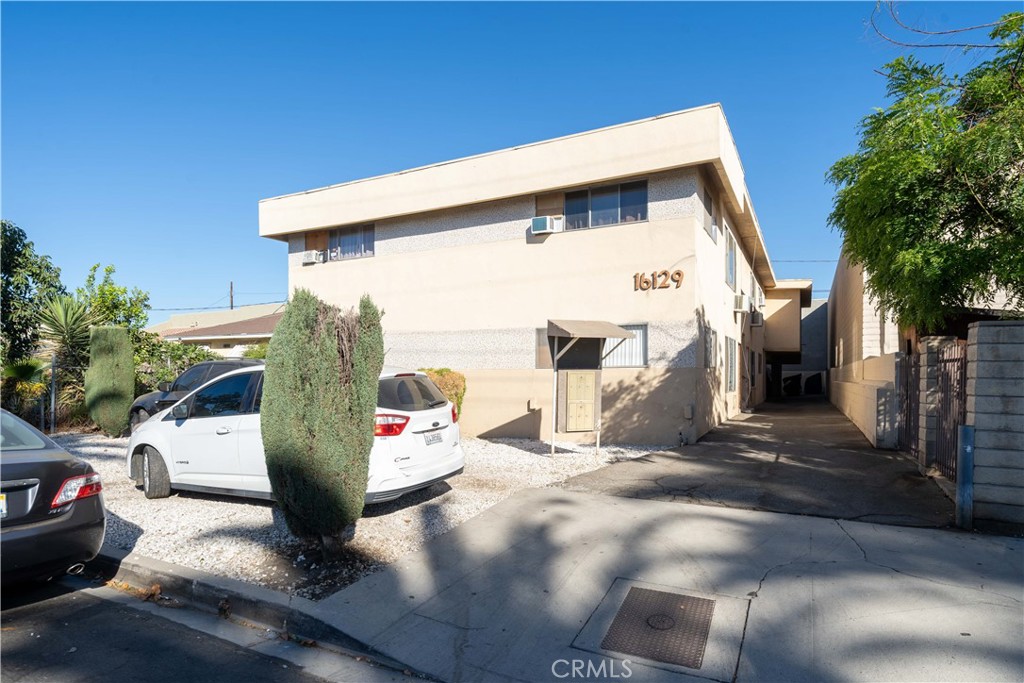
(951, 409)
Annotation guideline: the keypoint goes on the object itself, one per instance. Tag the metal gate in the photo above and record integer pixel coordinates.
(951, 411)
(910, 403)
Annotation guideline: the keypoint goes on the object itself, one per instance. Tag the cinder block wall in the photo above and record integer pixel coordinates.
(995, 407)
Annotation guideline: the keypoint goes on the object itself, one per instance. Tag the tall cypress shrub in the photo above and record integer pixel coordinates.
(317, 414)
(110, 378)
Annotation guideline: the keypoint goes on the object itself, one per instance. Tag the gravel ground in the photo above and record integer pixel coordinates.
(246, 540)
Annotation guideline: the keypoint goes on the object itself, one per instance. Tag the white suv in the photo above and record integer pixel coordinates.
(210, 440)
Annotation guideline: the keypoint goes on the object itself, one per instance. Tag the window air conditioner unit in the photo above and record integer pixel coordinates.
(545, 225)
(742, 303)
(757, 319)
(309, 257)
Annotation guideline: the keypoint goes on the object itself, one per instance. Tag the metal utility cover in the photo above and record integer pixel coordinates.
(666, 627)
(719, 655)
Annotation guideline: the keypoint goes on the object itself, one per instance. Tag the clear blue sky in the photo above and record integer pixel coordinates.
(143, 135)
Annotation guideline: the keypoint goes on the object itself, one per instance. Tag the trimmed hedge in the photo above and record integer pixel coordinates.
(317, 414)
(110, 378)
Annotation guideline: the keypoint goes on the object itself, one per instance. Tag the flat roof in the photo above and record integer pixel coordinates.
(692, 137)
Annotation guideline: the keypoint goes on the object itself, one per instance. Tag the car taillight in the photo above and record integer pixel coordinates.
(389, 425)
(76, 488)
(455, 414)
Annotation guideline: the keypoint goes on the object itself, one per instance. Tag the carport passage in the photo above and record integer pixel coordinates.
(796, 457)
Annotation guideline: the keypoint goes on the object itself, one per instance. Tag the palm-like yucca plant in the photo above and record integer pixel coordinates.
(65, 322)
(64, 325)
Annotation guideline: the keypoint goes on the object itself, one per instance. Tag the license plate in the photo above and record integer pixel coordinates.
(432, 438)
(3, 504)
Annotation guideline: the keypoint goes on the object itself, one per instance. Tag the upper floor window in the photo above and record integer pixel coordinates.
(606, 205)
(351, 242)
(710, 217)
(730, 259)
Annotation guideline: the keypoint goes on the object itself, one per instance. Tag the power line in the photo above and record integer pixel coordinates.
(212, 308)
(813, 260)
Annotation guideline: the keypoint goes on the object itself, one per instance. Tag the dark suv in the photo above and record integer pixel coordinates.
(168, 394)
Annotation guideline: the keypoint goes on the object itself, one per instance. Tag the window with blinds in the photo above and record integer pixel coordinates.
(631, 353)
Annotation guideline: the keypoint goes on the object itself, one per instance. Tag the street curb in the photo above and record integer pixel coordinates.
(206, 592)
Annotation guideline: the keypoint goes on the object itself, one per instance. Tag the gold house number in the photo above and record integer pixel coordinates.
(658, 279)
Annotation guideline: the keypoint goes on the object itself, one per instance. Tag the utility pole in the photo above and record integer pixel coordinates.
(231, 294)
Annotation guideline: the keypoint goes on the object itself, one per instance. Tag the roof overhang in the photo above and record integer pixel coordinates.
(803, 286)
(587, 329)
(698, 137)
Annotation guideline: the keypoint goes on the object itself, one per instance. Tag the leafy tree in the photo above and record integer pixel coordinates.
(113, 303)
(317, 414)
(110, 379)
(932, 203)
(26, 280)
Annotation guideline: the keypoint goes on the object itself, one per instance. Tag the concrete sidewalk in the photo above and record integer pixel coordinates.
(528, 590)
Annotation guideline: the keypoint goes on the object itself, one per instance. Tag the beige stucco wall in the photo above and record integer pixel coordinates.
(639, 405)
(521, 283)
(782, 320)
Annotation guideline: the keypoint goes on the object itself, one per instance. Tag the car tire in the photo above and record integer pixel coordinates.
(156, 483)
(138, 417)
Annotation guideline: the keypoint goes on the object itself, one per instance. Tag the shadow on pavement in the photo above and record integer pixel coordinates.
(801, 457)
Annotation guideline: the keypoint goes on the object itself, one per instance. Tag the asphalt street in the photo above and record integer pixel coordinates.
(65, 632)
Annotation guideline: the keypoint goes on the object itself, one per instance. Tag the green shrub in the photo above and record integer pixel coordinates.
(110, 379)
(317, 415)
(158, 360)
(256, 351)
(451, 383)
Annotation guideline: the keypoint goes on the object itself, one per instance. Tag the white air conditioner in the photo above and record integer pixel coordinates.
(757, 319)
(742, 303)
(309, 257)
(545, 225)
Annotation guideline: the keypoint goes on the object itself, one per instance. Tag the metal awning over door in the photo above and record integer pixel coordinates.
(574, 330)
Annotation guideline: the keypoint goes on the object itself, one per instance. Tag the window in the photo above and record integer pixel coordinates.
(191, 378)
(631, 353)
(221, 398)
(409, 393)
(710, 218)
(606, 205)
(710, 348)
(730, 364)
(730, 260)
(354, 242)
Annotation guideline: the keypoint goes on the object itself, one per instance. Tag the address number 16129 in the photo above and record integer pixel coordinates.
(658, 279)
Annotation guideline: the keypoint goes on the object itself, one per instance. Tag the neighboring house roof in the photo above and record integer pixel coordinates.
(253, 327)
(698, 137)
(183, 322)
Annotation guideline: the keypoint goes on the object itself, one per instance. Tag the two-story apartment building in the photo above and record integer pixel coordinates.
(487, 265)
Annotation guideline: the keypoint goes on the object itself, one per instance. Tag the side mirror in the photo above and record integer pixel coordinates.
(180, 411)
(164, 387)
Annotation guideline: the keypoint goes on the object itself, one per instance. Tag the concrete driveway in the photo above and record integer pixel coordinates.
(799, 457)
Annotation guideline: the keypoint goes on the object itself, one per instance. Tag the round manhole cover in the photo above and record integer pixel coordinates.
(661, 622)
